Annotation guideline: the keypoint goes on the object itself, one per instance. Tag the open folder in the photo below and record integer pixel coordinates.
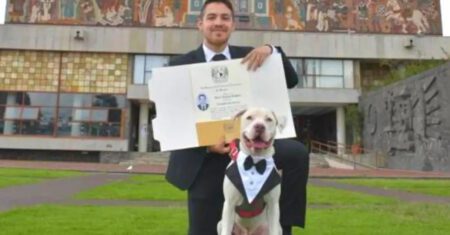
(196, 104)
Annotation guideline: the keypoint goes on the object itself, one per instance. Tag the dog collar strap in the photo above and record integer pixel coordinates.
(234, 150)
(247, 210)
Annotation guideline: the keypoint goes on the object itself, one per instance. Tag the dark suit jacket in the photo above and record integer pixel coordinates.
(185, 164)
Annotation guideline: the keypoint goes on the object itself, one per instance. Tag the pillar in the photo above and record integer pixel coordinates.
(340, 129)
(143, 127)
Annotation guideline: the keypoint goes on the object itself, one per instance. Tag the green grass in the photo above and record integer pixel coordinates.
(11, 176)
(331, 212)
(155, 187)
(137, 187)
(336, 197)
(400, 219)
(425, 186)
(83, 220)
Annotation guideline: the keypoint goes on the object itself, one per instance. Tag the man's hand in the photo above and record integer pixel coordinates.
(222, 147)
(257, 56)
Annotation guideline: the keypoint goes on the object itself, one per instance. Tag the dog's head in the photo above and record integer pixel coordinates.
(258, 130)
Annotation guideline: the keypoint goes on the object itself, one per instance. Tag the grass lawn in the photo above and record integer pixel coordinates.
(137, 187)
(337, 197)
(11, 176)
(83, 220)
(425, 186)
(331, 211)
(399, 219)
(155, 187)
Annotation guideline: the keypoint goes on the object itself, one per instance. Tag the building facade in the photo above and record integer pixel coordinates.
(73, 74)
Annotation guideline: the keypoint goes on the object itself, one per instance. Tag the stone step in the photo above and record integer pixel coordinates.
(318, 161)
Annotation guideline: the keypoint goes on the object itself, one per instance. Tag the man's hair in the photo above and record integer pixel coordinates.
(227, 3)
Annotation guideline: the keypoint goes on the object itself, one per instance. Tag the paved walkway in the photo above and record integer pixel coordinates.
(52, 191)
(61, 191)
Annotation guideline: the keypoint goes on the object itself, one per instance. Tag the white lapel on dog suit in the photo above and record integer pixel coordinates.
(249, 182)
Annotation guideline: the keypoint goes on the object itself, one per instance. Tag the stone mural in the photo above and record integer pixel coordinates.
(360, 16)
(409, 121)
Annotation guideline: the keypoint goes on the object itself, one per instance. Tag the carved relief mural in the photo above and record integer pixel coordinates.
(363, 16)
(409, 121)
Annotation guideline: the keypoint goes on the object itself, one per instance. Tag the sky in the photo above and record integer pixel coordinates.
(445, 9)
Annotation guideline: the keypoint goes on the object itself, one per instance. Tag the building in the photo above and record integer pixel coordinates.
(73, 74)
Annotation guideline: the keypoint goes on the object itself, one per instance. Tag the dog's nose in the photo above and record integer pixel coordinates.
(259, 128)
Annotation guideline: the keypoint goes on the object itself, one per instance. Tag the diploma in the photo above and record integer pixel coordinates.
(196, 103)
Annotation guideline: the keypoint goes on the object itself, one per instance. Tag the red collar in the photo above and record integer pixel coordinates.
(234, 150)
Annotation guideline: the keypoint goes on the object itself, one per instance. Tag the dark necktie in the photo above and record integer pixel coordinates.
(218, 57)
(260, 166)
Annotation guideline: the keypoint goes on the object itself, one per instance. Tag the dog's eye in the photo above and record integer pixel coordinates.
(268, 119)
(249, 118)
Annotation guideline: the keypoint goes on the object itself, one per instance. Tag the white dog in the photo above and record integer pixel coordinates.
(251, 192)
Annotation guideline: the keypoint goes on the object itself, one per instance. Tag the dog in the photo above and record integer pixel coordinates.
(242, 189)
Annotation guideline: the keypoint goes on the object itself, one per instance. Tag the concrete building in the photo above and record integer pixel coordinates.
(73, 74)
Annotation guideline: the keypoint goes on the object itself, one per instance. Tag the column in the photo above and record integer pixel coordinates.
(340, 129)
(143, 127)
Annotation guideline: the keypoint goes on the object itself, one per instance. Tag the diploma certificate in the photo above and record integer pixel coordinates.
(196, 103)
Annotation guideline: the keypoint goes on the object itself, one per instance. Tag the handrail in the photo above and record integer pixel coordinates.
(345, 153)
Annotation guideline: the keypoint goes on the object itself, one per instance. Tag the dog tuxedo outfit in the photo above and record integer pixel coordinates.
(253, 176)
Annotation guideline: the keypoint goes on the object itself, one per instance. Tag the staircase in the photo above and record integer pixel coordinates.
(341, 156)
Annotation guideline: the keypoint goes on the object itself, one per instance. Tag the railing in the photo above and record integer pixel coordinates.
(350, 155)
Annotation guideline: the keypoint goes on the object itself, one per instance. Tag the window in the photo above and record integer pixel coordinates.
(33, 113)
(27, 113)
(94, 115)
(316, 73)
(143, 65)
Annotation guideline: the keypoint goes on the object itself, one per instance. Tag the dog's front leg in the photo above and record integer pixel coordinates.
(273, 211)
(232, 197)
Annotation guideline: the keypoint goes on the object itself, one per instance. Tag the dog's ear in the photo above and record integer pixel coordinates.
(281, 122)
(239, 114)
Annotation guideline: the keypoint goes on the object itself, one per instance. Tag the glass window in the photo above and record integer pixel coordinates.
(42, 99)
(329, 82)
(139, 68)
(30, 113)
(114, 115)
(143, 65)
(10, 98)
(99, 115)
(8, 127)
(12, 113)
(321, 73)
(81, 115)
(106, 100)
(75, 100)
(331, 67)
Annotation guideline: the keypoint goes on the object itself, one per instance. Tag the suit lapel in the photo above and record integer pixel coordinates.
(199, 55)
(237, 52)
(234, 52)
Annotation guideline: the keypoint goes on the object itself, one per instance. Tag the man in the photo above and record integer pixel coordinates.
(202, 102)
(201, 170)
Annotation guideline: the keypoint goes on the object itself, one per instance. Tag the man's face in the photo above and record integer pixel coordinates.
(216, 24)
